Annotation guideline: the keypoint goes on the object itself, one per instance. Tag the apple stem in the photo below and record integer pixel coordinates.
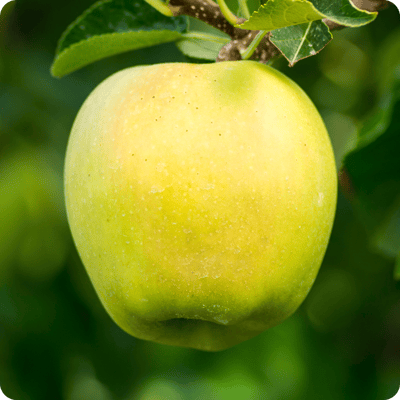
(246, 54)
(253, 45)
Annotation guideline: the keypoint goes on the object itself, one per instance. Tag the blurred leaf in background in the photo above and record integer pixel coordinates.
(56, 340)
(373, 167)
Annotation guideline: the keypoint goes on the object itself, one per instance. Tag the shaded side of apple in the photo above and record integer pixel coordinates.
(201, 199)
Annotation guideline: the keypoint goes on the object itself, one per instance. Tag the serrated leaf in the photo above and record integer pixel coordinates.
(277, 14)
(301, 41)
(111, 27)
(344, 12)
(201, 46)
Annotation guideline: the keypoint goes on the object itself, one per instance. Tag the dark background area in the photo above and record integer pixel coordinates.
(56, 340)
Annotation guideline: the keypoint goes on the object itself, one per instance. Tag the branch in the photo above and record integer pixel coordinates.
(206, 11)
(370, 5)
(210, 13)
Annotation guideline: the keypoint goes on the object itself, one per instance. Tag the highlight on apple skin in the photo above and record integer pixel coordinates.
(201, 199)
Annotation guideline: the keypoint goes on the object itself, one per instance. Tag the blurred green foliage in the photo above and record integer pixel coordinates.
(56, 340)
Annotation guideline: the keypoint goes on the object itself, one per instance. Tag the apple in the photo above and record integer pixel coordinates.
(201, 199)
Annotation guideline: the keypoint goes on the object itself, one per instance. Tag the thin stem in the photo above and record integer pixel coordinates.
(227, 13)
(161, 7)
(244, 9)
(246, 54)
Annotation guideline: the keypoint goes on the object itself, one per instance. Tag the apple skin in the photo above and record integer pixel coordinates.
(201, 199)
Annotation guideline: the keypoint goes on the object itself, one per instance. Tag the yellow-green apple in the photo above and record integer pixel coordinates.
(201, 199)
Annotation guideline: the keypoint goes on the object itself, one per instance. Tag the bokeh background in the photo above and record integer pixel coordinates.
(56, 340)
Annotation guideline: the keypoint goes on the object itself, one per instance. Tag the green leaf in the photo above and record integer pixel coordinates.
(276, 14)
(373, 168)
(201, 45)
(301, 41)
(111, 27)
(344, 12)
